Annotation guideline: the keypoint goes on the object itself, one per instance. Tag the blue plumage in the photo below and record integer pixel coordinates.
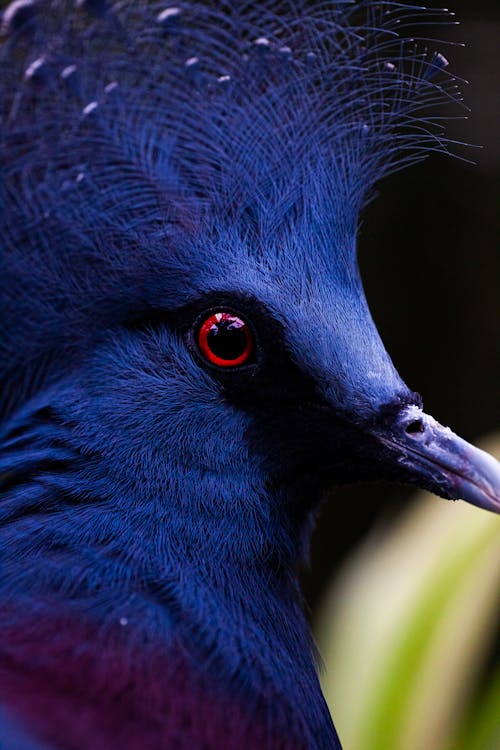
(163, 164)
(138, 129)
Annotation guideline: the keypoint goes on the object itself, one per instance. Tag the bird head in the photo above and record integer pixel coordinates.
(180, 222)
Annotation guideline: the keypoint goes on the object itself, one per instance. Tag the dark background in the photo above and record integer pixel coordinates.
(429, 256)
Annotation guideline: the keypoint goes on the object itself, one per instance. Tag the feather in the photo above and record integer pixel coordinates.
(131, 128)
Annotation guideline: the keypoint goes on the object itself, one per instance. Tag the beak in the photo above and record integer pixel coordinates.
(434, 458)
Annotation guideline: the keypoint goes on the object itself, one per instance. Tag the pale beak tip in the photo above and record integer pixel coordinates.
(437, 459)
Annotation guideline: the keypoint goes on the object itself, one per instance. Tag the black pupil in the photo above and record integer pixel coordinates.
(227, 338)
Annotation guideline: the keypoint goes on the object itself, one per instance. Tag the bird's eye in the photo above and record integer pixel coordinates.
(225, 340)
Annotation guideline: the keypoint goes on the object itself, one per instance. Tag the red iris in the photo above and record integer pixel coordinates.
(225, 340)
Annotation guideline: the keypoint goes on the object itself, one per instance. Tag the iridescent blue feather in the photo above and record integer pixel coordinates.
(162, 164)
(141, 124)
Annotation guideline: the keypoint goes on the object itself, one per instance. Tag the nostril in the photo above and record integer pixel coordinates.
(415, 427)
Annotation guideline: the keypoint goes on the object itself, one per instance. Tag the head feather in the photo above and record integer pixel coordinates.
(129, 130)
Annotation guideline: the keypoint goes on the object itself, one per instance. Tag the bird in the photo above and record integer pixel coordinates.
(188, 360)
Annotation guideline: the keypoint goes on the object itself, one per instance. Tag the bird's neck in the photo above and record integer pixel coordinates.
(111, 686)
(133, 608)
(235, 654)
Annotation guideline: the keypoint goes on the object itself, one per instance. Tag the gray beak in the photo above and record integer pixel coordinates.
(434, 458)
